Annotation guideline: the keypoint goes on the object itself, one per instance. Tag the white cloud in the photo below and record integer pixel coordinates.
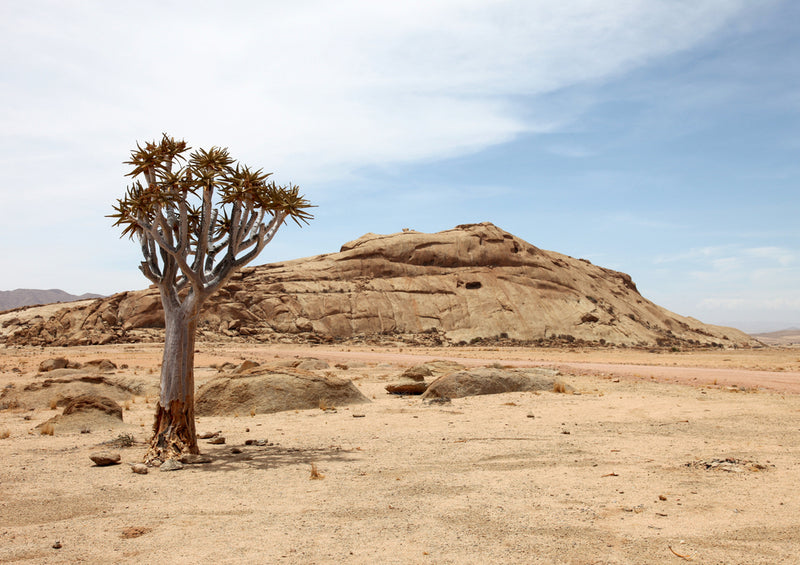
(784, 257)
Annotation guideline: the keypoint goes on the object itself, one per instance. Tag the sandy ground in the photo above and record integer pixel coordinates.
(629, 470)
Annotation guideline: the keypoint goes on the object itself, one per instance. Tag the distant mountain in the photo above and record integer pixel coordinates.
(30, 296)
(789, 336)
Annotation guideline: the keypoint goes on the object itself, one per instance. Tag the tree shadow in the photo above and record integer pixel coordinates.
(269, 457)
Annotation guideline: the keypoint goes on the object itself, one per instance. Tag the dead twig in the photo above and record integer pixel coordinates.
(684, 557)
(671, 423)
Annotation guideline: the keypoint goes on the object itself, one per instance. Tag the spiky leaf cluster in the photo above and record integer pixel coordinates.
(201, 216)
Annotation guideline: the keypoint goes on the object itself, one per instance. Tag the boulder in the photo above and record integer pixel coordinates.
(102, 365)
(490, 380)
(266, 390)
(52, 364)
(64, 385)
(87, 412)
(417, 373)
(93, 403)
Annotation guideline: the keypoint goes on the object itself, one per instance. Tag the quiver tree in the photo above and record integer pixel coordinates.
(198, 221)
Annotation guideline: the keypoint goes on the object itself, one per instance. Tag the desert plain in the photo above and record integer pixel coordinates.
(650, 456)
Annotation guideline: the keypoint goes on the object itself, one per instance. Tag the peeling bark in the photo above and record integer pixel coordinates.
(173, 429)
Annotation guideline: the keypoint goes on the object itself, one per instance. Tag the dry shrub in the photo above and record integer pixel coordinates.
(47, 430)
(323, 405)
(123, 440)
(53, 403)
(5, 433)
(315, 474)
(559, 387)
(252, 412)
(127, 405)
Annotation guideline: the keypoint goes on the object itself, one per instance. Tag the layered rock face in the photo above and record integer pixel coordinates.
(474, 282)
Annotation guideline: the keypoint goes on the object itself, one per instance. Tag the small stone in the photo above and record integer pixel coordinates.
(235, 450)
(359, 415)
(207, 435)
(105, 458)
(531, 416)
(139, 468)
(171, 465)
(57, 545)
(218, 440)
(194, 459)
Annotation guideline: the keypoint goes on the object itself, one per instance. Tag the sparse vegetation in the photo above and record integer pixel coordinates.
(559, 387)
(123, 440)
(315, 474)
(47, 429)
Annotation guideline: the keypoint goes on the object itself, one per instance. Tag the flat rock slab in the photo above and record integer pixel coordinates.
(490, 380)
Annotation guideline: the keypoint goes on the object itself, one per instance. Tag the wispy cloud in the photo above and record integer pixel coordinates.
(316, 86)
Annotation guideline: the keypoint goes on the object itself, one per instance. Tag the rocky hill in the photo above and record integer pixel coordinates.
(474, 283)
(30, 296)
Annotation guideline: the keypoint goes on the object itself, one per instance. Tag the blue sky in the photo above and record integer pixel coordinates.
(659, 138)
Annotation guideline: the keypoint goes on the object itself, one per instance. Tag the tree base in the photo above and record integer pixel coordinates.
(173, 433)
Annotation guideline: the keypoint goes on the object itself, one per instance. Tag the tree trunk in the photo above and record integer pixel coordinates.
(174, 430)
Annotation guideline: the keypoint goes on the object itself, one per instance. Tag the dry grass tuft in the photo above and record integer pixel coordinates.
(559, 387)
(53, 403)
(47, 430)
(252, 412)
(323, 405)
(315, 474)
(134, 532)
